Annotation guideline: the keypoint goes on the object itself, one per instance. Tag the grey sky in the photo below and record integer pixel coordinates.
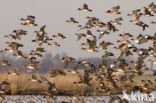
(54, 13)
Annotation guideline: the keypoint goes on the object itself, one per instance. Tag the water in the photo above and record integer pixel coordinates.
(67, 99)
(59, 99)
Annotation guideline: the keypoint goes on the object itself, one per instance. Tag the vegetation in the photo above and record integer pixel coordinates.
(65, 84)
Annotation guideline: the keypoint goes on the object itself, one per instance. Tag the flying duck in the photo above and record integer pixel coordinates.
(114, 10)
(72, 21)
(85, 8)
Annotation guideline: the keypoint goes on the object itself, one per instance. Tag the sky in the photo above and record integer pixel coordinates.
(54, 13)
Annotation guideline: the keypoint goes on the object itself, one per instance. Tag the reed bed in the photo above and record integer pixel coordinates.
(21, 85)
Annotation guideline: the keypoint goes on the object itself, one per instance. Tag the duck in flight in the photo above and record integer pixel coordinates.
(85, 8)
(114, 10)
(29, 21)
(72, 21)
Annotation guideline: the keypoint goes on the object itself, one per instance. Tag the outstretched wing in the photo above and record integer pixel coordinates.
(85, 6)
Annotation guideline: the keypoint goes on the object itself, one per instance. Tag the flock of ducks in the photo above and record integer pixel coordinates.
(118, 72)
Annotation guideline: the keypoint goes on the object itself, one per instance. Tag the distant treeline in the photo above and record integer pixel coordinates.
(47, 62)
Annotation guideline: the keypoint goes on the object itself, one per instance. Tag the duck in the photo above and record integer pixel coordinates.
(14, 72)
(87, 64)
(134, 21)
(89, 49)
(103, 86)
(141, 52)
(36, 54)
(19, 54)
(114, 10)
(104, 45)
(151, 52)
(111, 27)
(80, 80)
(118, 72)
(32, 60)
(29, 21)
(40, 42)
(84, 27)
(51, 86)
(10, 50)
(84, 79)
(89, 34)
(99, 24)
(107, 54)
(72, 21)
(41, 31)
(29, 24)
(152, 8)
(38, 50)
(147, 12)
(3, 91)
(134, 13)
(124, 48)
(14, 45)
(59, 36)
(55, 72)
(54, 44)
(140, 39)
(29, 18)
(66, 60)
(45, 80)
(35, 79)
(125, 35)
(5, 63)
(90, 43)
(85, 8)
(91, 20)
(123, 41)
(80, 35)
(153, 22)
(31, 66)
(143, 25)
(102, 33)
(19, 33)
(11, 36)
(117, 21)
(137, 20)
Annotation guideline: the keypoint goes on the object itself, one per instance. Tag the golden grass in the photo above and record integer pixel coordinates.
(137, 80)
(22, 84)
(65, 84)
